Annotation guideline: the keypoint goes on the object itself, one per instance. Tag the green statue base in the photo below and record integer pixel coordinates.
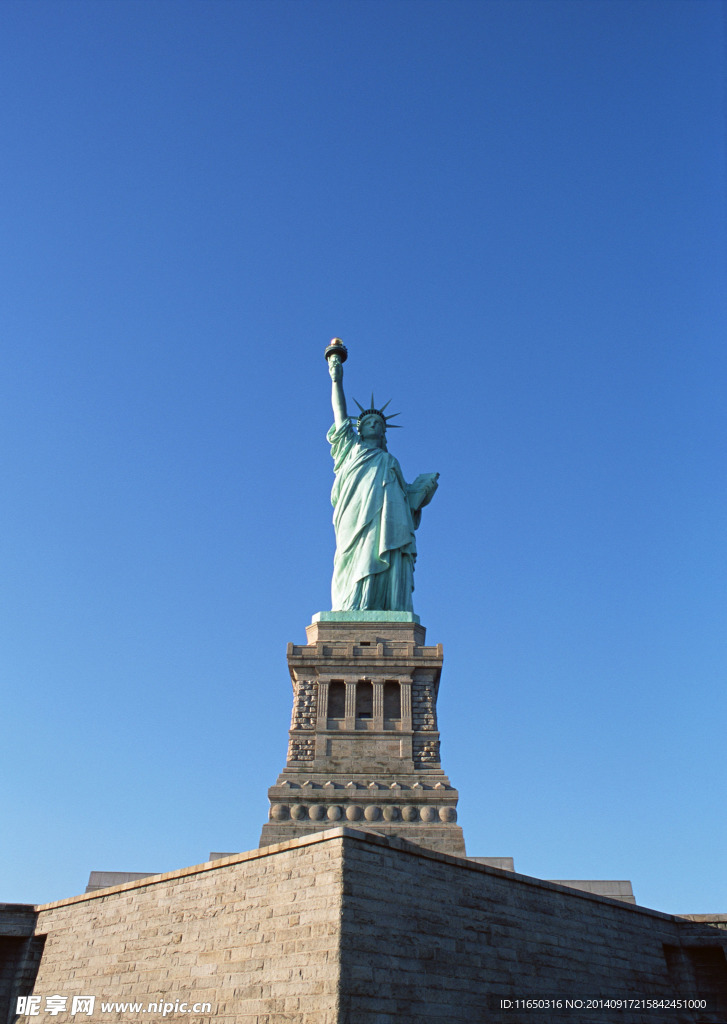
(359, 615)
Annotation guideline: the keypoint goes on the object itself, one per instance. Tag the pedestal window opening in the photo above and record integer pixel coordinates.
(337, 699)
(392, 702)
(364, 700)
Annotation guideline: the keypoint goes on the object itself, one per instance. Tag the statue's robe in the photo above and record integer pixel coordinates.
(375, 545)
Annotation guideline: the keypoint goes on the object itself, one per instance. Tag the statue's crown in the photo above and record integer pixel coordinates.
(373, 411)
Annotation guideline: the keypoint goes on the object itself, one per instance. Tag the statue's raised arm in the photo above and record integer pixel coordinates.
(338, 399)
(375, 511)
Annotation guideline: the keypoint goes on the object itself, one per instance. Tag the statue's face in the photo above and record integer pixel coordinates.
(372, 428)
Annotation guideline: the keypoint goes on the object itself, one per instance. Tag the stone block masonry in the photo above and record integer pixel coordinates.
(426, 939)
(20, 953)
(254, 935)
(345, 927)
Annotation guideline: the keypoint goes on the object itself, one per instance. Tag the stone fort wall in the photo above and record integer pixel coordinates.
(345, 927)
(255, 935)
(429, 937)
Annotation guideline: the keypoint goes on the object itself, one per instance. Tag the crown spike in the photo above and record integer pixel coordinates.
(359, 404)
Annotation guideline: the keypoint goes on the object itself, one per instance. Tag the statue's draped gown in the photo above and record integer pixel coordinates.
(375, 545)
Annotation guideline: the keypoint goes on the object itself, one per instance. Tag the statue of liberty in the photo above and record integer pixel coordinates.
(375, 511)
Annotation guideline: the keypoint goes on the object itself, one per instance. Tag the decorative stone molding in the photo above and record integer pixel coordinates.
(425, 751)
(301, 749)
(304, 704)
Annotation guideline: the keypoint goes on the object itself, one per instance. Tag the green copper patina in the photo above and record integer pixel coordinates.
(365, 615)
(375, 511)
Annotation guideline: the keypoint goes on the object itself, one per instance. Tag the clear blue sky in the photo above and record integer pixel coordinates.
(514, 215)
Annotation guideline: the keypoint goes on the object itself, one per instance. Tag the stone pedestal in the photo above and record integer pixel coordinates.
(364, 743)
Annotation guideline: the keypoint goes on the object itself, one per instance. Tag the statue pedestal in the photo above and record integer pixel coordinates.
(364, 744)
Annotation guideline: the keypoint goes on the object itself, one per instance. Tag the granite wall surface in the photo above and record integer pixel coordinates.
(345, 927)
